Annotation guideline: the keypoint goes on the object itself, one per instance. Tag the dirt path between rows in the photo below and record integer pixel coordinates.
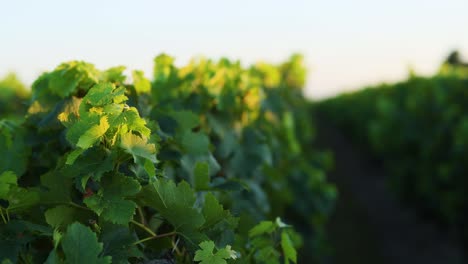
(369, 225)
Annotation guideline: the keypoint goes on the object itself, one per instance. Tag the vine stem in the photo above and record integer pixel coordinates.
(142, 216)
(143, 227)
(78, 206)
(70, 204)
(155, 237)
(175, 248)
(3, 216)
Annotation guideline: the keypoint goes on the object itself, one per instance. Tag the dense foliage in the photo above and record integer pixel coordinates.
(13, 97)
(203, 164)
(419, 129)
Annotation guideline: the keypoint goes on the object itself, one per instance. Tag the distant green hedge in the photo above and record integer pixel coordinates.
(419, 128)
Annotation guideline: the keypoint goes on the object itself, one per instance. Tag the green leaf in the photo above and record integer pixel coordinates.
(213, 211)
(195, 143)
(92, 135)
(132, 120)
(7, 181)
(202, 176)
(220, 225)
(20, 199)
(99, 95)
(85, 123)
(57, 237)
(185, 119)
(138, 147)
(189, 162)
(14, 151)
(70, 110)
(206, 254)
(72, 156)
(163, 67)
(119, 243)
(117, 211)
(290, 253)
(289, 127)
(174, 203)
(67, 77)
(268, 254)
(264, 227)
(142, 85)
(53, 258)
(57, 188)
(16, 236)
(110, 202)
(114, 75)
(61, 216)
(280, 223)
(80, 245)
(149, 168)
(118, 95)
(92, 163)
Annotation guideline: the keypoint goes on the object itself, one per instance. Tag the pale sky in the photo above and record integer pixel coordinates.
(347, 43)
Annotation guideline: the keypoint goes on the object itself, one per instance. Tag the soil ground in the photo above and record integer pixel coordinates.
(369, 224)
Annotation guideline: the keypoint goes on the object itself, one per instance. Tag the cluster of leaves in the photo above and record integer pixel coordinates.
(187, 167)
(13, 96)
(419, 129)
